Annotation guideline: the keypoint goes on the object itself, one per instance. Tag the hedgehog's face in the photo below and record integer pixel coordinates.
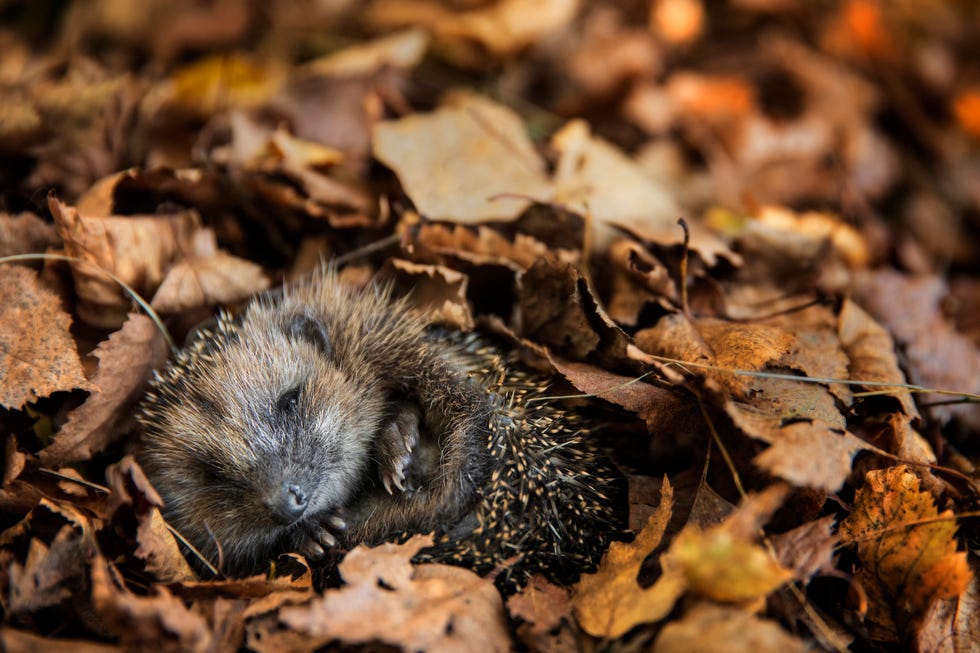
(257, 436)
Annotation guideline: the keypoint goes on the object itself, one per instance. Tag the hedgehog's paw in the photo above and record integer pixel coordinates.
(321, 535)
(396, 445)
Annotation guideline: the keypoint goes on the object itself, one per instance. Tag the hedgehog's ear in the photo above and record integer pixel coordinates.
(309, 327)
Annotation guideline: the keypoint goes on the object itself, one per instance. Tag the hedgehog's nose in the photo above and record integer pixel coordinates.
(291, 502)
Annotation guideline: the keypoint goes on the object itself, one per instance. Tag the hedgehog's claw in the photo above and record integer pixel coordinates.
(396, 446)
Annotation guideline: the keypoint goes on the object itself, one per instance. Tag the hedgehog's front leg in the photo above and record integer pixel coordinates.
(321, 535)
(395, 445)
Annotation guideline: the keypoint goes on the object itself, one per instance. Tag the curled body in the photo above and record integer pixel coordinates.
(332, 416)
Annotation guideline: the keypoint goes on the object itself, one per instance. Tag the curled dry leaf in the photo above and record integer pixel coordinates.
(53, 572)
(907, 566)
(133, 498)
(125, 362)
(808, 549)
(135, 249)
(37, 352)
(437, 291)
(422, 608)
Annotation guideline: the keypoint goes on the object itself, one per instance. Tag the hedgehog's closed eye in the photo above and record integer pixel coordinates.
(288, 401)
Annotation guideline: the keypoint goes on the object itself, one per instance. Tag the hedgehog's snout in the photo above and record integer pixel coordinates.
(288, 502)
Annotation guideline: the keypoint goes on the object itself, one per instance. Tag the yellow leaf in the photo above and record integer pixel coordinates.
(913, 566)
(220, 81)
(610, 602)
(719, 565)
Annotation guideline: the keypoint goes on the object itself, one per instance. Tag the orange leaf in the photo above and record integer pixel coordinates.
(913, 567)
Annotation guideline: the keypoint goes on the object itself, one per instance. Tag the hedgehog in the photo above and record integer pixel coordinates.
(327, 416)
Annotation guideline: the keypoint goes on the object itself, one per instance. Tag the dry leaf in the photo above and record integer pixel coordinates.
(215, 83)
(454, 162)
(541, 604)
(503, 26)
(909, 567)
(708, 627)
(125, 362)
(437, 291)
(133, 498)
(402, 49)
(610, 602)
(159, 621)
(808, 549)
(25, 234)
(207, 276)
(22, 641)
(386, 599)
(37, 352)
(135, 249)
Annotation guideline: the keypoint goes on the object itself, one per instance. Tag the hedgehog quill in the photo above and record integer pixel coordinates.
(329, 416)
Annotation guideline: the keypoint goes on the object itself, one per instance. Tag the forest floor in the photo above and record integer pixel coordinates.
(748, 228)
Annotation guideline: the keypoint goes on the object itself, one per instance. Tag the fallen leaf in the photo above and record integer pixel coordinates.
(503, 26)
(157, 621)
(707, 627)
(387, 599)
(456, 161)
(610, 602)
(910, 567)
(25, 233)
(36, 349)
(596, 179)
(402, 49)
(133, 499)
(215, 83)
(438, 292)
(125, 362)
(53, 572)
(135, 249)
(541, 604)
(22, 641)
(723, 562)
(808, 549)
(207, 276)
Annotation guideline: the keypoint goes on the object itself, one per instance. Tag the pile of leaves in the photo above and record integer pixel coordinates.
(796, 361)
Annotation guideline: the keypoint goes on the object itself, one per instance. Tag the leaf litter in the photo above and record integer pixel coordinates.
(793, 374)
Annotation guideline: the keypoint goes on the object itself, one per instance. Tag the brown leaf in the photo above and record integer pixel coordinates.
(386, 599)
(132, 499)
(125, 362)
(610, 602)
(207, 276)
(454, 161)
(53, 572)
(541, 604)
(707, 627)
(911, 567)
(25, 234)
(37, 352)
(22, 641)
(953, 624)
(937, 355)
(135, 249)
(872, 353)
(808, 549)
(158, 621)
(438, 291)
(597, 180)
(503, 27)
